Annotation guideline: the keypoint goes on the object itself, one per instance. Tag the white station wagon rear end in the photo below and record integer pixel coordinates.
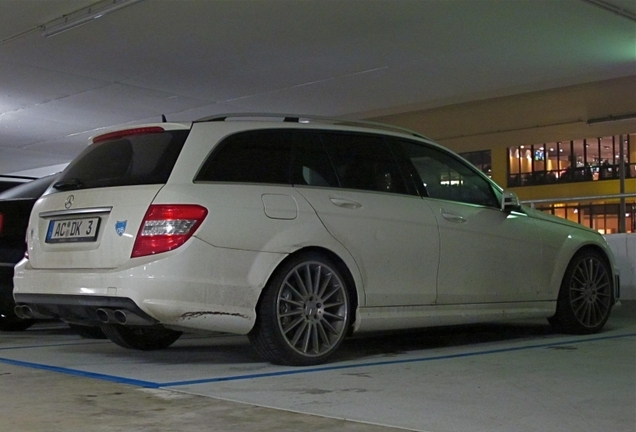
(296, 233)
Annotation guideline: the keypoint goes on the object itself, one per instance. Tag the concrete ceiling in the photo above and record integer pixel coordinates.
(192, 58)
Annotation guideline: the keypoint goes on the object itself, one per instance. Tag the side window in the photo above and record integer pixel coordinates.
(445, 177)
(310, 163)
(258, 156)
(363, 161)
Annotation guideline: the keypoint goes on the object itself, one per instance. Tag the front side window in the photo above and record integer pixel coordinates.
(482, 159)
(446, 177)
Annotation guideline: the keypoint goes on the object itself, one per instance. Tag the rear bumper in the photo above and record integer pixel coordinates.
(196, 286)
(78, 309)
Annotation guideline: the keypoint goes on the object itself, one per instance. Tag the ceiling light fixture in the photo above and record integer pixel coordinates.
(83, 16)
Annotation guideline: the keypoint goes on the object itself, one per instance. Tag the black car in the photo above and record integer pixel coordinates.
(15, 207)
(11, 181)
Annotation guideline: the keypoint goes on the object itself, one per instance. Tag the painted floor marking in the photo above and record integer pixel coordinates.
(295, 371)
(298, 371)
(79, 373)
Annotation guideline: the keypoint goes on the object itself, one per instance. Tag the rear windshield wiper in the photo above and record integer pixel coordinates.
(68, 184)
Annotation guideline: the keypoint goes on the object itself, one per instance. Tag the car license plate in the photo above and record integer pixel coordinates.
(73, 230)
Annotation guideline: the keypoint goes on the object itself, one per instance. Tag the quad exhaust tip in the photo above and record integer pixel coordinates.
(26, 312)
(123, 317)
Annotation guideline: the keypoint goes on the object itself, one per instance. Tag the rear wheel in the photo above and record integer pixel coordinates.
(88, 332)
(141, 338)
(304, 313)
(586, 295)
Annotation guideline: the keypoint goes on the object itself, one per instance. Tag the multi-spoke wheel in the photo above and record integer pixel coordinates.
(586, 295)
(304, 313)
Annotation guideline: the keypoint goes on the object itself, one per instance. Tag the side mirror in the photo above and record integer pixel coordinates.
(509, 201)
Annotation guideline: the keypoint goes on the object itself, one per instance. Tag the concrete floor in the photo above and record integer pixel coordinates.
(499, 377)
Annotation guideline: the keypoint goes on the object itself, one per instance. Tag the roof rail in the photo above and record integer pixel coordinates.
(298, 118)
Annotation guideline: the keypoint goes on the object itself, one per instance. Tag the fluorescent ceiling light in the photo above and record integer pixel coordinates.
(84, 15)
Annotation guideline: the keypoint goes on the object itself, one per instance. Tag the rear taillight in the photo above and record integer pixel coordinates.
(166, 227)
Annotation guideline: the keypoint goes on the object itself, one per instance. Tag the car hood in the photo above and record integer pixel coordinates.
(538, 214)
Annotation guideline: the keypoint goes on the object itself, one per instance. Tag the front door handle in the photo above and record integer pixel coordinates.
(453, 217)
(345, 203)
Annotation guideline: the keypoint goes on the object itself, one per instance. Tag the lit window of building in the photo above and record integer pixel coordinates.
(580, 160)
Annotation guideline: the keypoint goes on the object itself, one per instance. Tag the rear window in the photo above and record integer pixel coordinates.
(131, 160)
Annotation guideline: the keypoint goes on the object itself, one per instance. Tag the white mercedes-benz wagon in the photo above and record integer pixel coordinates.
(297, 232)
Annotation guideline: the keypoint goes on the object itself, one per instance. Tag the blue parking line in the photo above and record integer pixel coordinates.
(79, 373)
(294, 371)
(52, 345)
(383, 363)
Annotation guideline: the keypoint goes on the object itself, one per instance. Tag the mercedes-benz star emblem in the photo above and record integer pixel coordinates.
(69, 201)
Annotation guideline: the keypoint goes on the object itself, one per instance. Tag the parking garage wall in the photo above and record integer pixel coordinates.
(624, 248)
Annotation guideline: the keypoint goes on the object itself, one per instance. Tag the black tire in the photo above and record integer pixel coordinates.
(304, 313)
(141, 338)
(586, 296)
(88, 332)
(14, 324)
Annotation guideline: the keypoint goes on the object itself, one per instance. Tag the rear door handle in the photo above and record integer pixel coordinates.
(453, 217)
(345, 203)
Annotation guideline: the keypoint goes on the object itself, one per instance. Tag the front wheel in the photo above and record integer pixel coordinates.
(304, 313)
(586, 295)
(141, 338)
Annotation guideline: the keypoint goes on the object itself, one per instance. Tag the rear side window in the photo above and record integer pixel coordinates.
(131, 160)
(260, 156)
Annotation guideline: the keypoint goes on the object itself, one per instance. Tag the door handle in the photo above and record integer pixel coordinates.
(345, 203)
(453, 217)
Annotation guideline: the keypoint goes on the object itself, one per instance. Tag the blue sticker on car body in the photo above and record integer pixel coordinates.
(120, 227)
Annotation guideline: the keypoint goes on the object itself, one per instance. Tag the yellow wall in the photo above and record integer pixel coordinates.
(592, 188)
(531, 118)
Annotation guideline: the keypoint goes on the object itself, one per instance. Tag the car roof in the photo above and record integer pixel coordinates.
(31, 189)
(309, 119)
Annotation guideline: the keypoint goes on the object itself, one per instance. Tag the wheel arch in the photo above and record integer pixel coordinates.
(605, 255)
(587, 313)
(353, 282)
(573, 247)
